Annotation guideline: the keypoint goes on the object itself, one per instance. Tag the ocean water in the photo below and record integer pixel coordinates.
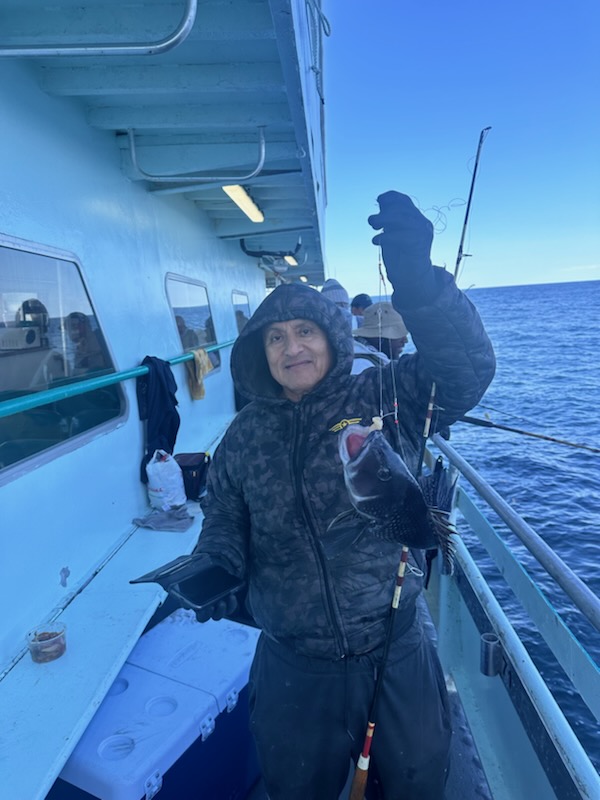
(547, 343)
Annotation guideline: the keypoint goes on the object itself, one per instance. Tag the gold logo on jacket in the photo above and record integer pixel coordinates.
(339, 426)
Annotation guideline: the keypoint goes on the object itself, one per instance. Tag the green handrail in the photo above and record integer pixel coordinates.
(18, 404)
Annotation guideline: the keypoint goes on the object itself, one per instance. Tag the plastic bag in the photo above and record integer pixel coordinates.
(165, 482)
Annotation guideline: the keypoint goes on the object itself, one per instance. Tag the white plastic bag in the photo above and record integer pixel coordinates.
(165, 482)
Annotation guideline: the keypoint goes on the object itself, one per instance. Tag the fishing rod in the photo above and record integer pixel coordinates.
(361, 773)
(459, 258)
(484, 423)
(461, 254)
(359, 780)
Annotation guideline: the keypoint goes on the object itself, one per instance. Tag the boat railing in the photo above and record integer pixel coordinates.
(566, 647)
(35, 400)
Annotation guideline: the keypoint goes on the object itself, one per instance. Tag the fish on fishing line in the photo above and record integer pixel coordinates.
(400, 508)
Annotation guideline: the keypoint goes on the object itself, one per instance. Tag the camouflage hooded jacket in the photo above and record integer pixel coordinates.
(276, 480)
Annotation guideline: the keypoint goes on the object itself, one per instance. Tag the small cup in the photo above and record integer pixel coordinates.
(48, 642)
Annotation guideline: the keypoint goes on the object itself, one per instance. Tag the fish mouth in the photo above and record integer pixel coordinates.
(352, 441)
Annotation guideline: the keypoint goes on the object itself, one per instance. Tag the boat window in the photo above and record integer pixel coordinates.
(193, 316)
(241, 307)
(49, 337)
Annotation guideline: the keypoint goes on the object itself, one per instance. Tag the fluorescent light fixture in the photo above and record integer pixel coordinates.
(243, 200)
(303, 278)
(291, 261)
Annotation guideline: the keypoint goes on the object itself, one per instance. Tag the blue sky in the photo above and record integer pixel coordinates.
(409, 85)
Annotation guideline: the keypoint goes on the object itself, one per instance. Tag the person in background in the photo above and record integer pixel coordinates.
(40, 365)
(320, 593)
(358, 306)
(241, 319)
(89, 354)
(380, 339)
(334, 291)
(189, 338)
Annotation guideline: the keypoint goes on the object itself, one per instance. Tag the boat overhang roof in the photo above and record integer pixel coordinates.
(238, 100)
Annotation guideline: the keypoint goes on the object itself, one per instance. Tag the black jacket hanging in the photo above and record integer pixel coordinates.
(157, 407)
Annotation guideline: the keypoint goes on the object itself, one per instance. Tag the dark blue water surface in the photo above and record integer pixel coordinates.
(547, 342)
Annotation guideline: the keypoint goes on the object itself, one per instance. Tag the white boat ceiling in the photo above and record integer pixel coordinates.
(199, 94)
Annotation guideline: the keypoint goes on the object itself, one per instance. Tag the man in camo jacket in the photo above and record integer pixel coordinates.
(322, 597)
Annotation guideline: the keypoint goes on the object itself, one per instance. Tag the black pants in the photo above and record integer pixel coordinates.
(309, 717)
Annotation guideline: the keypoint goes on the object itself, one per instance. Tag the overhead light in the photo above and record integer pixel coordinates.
(291, 261)
(303, 278)
(243, 200)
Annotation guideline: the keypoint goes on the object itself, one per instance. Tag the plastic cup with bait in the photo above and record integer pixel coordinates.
(47, 642)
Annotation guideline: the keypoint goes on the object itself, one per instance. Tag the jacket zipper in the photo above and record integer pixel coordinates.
(298, 452)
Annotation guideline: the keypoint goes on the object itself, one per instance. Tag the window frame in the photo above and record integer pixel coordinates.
(174, 276)
(72, 443)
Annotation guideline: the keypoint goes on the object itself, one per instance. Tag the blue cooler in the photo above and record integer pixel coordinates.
(175, 720)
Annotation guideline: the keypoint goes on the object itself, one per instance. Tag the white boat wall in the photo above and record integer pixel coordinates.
(217, 91)
(120, 124)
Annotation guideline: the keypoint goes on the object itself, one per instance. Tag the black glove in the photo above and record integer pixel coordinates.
(406, 245)
(217, 610)
(199, 582)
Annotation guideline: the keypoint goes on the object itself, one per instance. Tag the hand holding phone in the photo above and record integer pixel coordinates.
(199, 583)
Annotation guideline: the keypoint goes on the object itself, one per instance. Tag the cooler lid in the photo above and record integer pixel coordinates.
(212, 656)
(144, 724)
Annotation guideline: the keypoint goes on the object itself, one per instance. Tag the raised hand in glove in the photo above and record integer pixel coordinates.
(406, 245)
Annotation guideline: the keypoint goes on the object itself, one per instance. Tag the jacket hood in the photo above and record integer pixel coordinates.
(249, 366)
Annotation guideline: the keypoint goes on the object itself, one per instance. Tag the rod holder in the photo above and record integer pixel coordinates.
(490, 662)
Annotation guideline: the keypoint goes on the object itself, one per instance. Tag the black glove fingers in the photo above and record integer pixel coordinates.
(232, 604)
(396, 211)
(223, 608)
(219, 610)
(204, 614)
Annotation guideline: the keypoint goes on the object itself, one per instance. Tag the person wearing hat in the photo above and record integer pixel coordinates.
(380, 338)
(334, 291)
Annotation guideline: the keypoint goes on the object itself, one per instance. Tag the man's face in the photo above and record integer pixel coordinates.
(298, 354)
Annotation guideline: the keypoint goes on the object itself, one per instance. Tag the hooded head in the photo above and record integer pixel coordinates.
(249, 366)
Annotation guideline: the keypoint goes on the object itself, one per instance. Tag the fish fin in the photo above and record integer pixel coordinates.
(443, 530)
(343, 533)
(439, 486)
(345, 515)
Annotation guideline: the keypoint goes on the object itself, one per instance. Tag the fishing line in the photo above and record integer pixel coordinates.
(383, 291)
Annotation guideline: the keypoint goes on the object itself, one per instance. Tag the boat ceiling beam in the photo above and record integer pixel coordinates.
(239, 230)
(155, 80)
(287, 178)
(187, 116)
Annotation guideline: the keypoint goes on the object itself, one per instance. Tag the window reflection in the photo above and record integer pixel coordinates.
(49, 337)
(193, 316)
(242, 309)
